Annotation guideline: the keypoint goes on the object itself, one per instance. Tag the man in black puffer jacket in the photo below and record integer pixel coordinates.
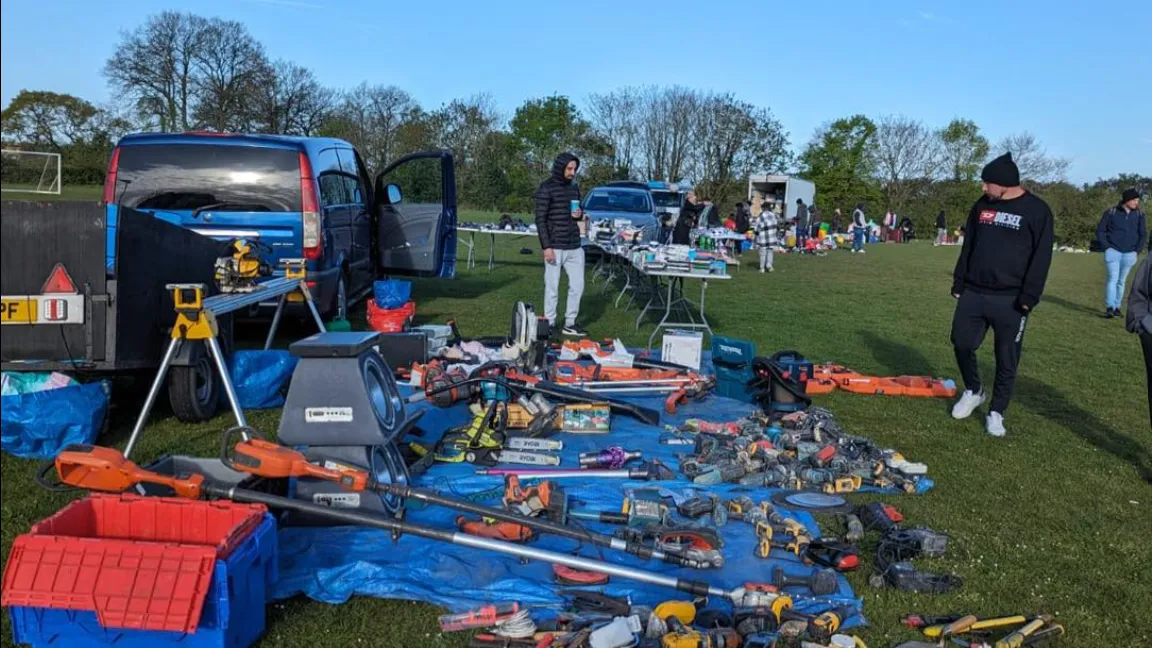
(557, 215)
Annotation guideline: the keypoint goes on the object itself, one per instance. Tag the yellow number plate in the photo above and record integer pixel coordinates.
(18, 310)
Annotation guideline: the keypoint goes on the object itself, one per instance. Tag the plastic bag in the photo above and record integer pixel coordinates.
(390, 320)
(391, 293)
(37, 425)
(261, 377)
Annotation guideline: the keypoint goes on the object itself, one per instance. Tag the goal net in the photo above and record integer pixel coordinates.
(29, 172)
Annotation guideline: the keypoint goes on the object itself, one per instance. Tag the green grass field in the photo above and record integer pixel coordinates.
(1055, 518)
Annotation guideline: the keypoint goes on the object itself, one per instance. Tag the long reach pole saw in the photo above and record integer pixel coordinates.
(95, 468)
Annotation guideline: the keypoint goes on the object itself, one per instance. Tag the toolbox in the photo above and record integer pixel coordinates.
(134, 572)
(732, 363)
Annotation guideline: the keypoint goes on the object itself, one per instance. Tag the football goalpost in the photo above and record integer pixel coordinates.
(29, 172)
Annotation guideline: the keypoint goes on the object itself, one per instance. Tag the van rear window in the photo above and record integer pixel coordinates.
(217, 177)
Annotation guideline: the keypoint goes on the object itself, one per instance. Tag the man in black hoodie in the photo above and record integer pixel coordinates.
(557, 215)
(1140, 316)
(999, 278)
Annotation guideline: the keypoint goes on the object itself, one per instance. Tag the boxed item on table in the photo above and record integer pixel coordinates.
(684, 348)
(590, 418)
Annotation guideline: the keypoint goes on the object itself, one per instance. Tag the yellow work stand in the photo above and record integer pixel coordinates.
(196, 323)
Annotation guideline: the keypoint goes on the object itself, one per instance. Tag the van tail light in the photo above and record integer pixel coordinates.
(310, 208)
(110, 177)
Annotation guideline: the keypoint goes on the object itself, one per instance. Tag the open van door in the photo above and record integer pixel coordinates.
(416, 216)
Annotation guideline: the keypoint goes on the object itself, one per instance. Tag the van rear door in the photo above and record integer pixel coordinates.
(417, 234)
(217, 189)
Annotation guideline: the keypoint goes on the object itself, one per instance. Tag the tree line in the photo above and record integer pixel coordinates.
(180, 72)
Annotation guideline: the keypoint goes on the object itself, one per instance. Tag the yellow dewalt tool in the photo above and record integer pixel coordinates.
(240, 271)
(935, 631)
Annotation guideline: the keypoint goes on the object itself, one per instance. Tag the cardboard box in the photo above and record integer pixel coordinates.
(684, 348)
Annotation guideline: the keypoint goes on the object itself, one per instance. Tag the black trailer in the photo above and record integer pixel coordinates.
(64, 310)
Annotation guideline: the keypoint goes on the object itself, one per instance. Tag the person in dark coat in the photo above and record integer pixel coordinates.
(689, 217)
(743, 218)
(803, 224)
(941, 228)
(1121, 232)
(1140, 316)
(557, 225)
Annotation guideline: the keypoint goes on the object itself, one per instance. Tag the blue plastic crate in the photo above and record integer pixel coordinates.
(233, 616)
(732, 362)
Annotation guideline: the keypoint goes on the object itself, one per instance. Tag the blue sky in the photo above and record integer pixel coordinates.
(1076, 74)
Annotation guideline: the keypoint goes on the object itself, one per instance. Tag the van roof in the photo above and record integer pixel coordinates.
(234, 139)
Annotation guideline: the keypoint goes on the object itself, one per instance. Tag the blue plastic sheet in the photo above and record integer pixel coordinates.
(38, 425)
(391, 293)
(261, 377)
(333, 564)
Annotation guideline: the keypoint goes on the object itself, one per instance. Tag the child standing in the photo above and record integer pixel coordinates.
(765, 227)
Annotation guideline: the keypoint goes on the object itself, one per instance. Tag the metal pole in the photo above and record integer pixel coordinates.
(153, 392)
(312, 306)
(226, 380)
(358, 518)
(275, 321)
(492, 253)
(541, 524)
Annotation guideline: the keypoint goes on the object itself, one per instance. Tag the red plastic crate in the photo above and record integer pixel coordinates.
(139, 563)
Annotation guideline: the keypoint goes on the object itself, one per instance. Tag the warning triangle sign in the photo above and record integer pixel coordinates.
(59, 281)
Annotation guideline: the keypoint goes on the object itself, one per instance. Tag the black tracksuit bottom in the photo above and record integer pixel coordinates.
(1146, 342)
(975, 314)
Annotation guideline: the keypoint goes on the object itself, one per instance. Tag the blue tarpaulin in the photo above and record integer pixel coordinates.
(37, 425)
(333, 564)
(260, 377)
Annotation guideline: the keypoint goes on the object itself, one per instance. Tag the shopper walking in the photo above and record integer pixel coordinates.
(1140, 316)
(765, 226)
(1122, 231)
(859, 228)
(557, 215)
(803, 224)
(998, 281)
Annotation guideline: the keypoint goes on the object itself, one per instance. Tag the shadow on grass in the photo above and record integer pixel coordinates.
(899, 359)
(1052, 404)
(1072, 306)
(465, 286)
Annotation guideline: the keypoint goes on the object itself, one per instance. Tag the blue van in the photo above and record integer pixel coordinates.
(302, 196)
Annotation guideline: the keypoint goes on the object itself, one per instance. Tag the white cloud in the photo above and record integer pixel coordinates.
(928, 16)
(1148, 140)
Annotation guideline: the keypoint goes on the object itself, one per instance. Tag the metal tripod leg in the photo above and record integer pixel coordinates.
(226, 380)
(275, 321)
(312, 306)
(153, 392)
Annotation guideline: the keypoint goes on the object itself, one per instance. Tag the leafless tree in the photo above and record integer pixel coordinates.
(231, 69)
(1033, 160)
(154, 66)
(617, 117)
(372, 118)
(906, 151)
(668, 119)
(292, 101)
(732, 140)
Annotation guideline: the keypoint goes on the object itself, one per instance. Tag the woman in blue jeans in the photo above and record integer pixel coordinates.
(1121, 232)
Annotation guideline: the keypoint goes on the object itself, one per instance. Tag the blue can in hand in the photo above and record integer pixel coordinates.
(574, 207)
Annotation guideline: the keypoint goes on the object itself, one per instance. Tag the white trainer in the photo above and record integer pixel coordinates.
(967, 404)
(994, 424)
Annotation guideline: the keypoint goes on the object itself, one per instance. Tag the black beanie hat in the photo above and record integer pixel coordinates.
(1002, 171)
(1129, 194)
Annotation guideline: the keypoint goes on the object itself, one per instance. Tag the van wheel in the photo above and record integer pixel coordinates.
(194, 391)
(340, 307)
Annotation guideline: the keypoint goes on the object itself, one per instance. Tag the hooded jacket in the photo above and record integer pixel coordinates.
(1140, 300)
(941, 221)
(554, 223)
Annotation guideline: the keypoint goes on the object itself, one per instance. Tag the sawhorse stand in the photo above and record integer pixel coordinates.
(196, 322)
